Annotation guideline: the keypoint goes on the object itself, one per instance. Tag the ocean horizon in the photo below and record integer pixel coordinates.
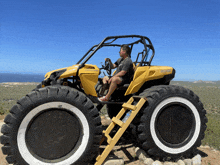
(37, 77)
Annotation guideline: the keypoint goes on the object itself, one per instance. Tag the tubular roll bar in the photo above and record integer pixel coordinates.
(101, 44)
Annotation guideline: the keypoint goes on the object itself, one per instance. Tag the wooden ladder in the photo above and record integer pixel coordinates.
(123, 126)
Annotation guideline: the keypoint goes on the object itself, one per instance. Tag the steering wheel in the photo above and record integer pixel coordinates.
(107, 67)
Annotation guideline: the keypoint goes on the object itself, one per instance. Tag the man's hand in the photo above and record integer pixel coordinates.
(110, 80)
(113, 66)
(107, 59)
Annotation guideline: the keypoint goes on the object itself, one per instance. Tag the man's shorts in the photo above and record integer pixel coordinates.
(124, 81)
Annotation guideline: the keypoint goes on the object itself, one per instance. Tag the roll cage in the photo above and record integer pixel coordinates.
(140, 39)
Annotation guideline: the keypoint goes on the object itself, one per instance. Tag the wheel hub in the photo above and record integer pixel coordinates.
(174, 124)
(53, 134)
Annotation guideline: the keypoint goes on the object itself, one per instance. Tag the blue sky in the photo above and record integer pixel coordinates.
(44, 35)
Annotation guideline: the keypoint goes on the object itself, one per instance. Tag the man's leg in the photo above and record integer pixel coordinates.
(105, 84)
(115, 81)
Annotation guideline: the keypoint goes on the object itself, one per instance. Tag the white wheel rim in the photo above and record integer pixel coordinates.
(28, 157)
(197, 125)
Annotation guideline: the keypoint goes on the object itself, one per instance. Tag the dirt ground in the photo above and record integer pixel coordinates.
(125, 149)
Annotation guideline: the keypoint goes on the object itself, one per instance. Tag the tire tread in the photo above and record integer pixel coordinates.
(36, 98)
(154, 95)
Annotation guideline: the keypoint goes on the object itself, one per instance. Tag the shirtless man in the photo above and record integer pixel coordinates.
(123, 73)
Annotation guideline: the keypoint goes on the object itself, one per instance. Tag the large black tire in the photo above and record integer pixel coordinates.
(37, 87)
(56, 125)
(173, 122)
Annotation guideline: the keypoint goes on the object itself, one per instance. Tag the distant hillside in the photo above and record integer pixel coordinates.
(199, 82)
(207, 82)
(16, 77)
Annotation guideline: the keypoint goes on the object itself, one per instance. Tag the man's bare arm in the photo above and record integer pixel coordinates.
(121, 73)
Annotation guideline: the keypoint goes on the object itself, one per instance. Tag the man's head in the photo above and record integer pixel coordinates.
(125, 51)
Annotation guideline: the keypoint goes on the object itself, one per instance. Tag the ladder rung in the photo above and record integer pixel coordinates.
(109, 139)
(129, 106)
(117, 121)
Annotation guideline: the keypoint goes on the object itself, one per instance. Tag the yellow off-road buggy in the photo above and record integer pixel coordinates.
(58, 122)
